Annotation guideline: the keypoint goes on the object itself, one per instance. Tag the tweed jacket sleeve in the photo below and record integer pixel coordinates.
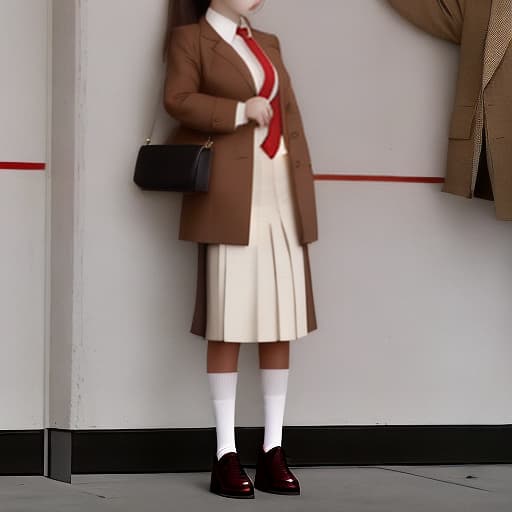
(441, 18)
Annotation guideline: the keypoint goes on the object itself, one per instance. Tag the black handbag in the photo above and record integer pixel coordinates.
(173, 167)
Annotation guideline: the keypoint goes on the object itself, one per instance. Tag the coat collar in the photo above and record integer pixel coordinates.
(224, 26)
(499, 42)
(226, 51)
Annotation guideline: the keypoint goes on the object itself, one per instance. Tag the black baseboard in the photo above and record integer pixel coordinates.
(21, 452)
(191, 449)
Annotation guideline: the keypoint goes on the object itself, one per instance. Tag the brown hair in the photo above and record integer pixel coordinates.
(183, 12)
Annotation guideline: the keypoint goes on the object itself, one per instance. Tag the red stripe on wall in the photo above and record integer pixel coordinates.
(379, 178)
(40, 166)
(22, 166)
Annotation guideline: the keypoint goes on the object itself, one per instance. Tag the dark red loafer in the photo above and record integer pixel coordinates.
(273, 474)
(229, 479)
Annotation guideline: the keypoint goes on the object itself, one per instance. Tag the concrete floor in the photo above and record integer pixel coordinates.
(354, 489)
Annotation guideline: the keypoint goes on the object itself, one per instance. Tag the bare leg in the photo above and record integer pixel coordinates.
(275, 354)
(222, 356)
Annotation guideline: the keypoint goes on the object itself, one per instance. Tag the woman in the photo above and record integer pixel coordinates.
(226, 80)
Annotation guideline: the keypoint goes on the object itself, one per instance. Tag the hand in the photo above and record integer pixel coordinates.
(258, 109)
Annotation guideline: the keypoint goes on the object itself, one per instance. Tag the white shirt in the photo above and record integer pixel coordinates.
(226, 28)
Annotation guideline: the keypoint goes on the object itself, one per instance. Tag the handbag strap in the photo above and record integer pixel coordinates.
(155, 112)
(208, 144)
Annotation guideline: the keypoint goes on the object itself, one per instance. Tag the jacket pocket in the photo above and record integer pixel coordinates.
(462, 122)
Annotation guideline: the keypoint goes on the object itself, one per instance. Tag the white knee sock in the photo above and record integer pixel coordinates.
(223, 394)
(274, 383)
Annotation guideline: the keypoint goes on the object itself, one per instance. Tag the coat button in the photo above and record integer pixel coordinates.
(295, 135)
(297, 163)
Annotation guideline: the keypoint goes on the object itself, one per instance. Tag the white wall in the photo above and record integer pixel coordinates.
(23, 199)
(376, 94)
(413, 287)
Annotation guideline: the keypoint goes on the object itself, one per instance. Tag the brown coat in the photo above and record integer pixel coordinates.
(465, 22)
(205, 80)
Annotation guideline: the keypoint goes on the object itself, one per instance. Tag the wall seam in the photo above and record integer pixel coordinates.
(77, 350)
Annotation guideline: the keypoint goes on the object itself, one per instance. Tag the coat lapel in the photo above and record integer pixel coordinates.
(499, 36)
(230, 55)
(227, 52)
(273, 54)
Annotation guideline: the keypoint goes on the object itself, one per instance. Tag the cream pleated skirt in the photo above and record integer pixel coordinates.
(257, 292)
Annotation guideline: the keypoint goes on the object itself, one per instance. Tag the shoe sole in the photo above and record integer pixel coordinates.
(214, 490)
(275, 491)
(250, 496)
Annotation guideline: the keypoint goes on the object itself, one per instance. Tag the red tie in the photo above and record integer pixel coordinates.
(271, 143)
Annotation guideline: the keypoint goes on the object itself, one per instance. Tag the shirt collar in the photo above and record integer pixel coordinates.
(225, 27)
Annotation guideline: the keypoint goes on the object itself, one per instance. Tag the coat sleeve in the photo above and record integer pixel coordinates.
(182, 99)
(441, 18)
